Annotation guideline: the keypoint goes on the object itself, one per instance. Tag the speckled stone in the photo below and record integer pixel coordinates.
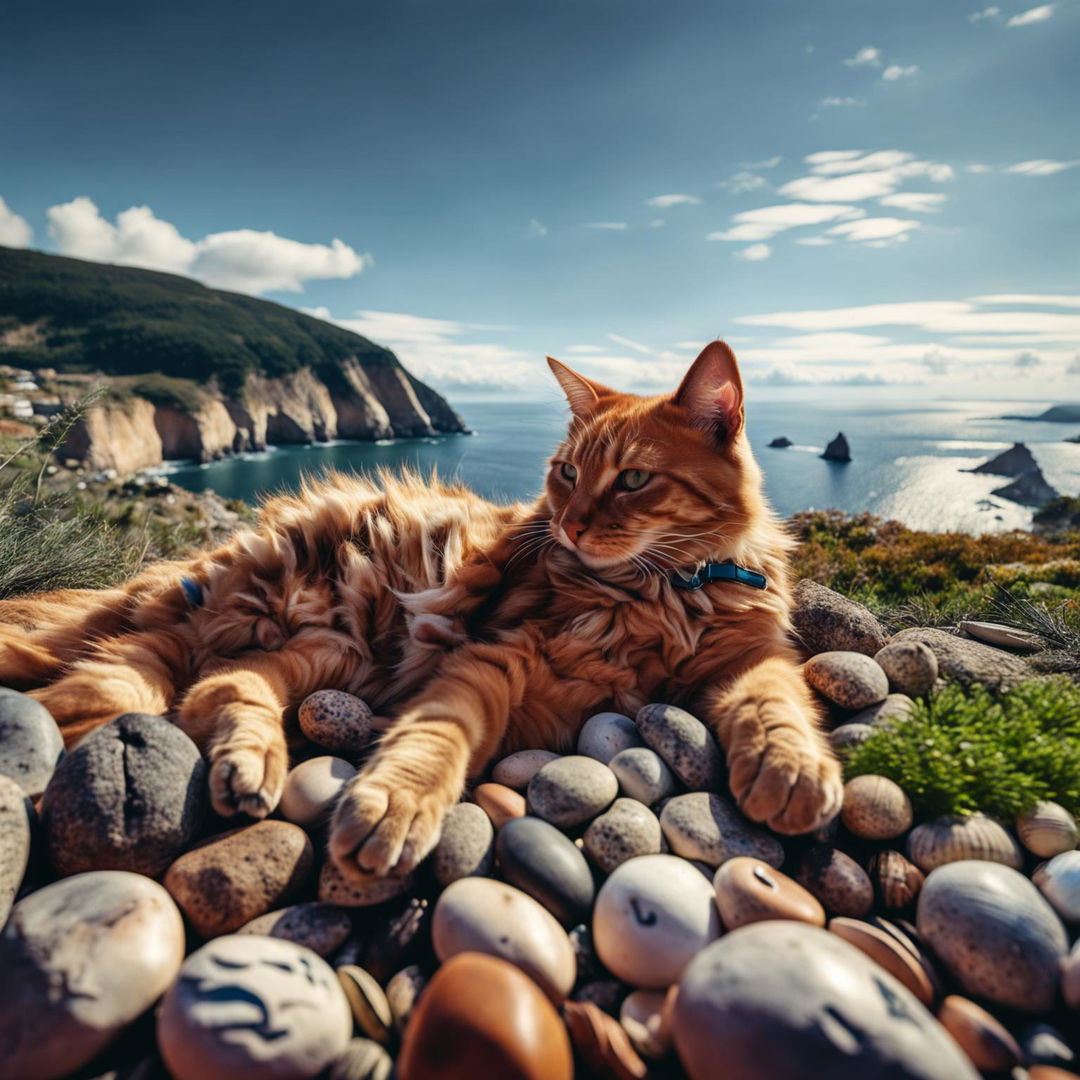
(643, 775)
(518, 769)
(628, 829)
(337, 721)
(322, 928)
(784, 999)
(749, 890)
(313, 788)
(896, 708)
(995, 933)
(82, 959)
(825, 620)
(965, 661)
(14, 842)
(499, 802)
(360, 889)
(466, 847)
(685, 743)
(231, 879)
(30, 741)
(130, 796)
(402, 993)
(539, 860)
(837, 880)
(706, 826)
(848, 736)
(571, 790)
(606, 734)
(911, 667)
(848, 679)
(247, 1008)
(362, 1059)
(1059, 881)
(876, 808)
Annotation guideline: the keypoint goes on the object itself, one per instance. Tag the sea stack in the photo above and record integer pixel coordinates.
(781, 442)
(1030, 489)
(1015, 461)
(838, 449)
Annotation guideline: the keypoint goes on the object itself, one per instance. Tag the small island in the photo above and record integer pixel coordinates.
(1029, 487)
(781, 442)
(1056, 414)
(838, 450)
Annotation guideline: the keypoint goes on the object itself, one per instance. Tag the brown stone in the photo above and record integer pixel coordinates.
(602, 1043)
(481, 1017)
(888, 953)
(981, 1036)
(499, 802)
(749, 890)
(876, 808)
(359, 889)
(896, 879)
(837, 880)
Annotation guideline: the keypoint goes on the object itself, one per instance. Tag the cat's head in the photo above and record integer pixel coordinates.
(667, 480)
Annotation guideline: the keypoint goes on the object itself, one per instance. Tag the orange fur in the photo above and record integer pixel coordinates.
(479, 628)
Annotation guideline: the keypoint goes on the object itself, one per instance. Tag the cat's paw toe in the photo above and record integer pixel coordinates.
(244, 781)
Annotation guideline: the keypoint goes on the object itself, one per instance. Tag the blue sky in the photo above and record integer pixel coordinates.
(852, 193)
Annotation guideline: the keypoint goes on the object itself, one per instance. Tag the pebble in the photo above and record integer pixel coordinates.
(848, 736)
(1047, 830)
(606, 734)
(15, 838)
(1059, 881)
(481, 915)
(246, 1008)
(466, 847)
(652, 915)
(360, 889)
(539, 860)
(30, 742)
(954, 839)
(337, 721)
(481, 1017)
(362, 1059)
(518, 769)
(837, 880)
(368, 1003)
(130, 796)
(313, 788)
(849, 679)
(1005, 637)
(322, 928)
(643, 775)
(685, 743)
(986, 1041)
(646, 1018)
(602, 1043)
(887, 952)
(229, 880)
(965, 661)
(911, 667)
(82, 959)
(402, 993)
(625, 831)
(994, 932)
(571, 790)
(826, 621)
(876, 808)
(749, 891)
(897, 880)
(706, 826)
(786, 999)
(499, 802)
(896, 708)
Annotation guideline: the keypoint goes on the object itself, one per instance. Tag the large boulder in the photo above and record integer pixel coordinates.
(825, 621)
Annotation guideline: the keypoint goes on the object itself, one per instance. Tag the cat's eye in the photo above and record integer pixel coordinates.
(568, 471)
(633, 479)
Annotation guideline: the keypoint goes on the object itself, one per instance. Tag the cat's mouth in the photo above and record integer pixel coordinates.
(594, 556)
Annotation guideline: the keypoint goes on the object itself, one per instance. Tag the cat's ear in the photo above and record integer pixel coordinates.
(712, 391)
(582, 393)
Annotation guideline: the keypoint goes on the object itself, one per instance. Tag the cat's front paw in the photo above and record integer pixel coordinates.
(381, 827)
(247, 780)
(781, 771)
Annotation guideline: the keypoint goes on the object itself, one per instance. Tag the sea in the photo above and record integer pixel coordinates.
(908, 458)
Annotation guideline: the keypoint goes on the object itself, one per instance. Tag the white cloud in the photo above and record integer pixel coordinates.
(767, 221)
(1041, 167)
(897, 71)
(754, 253)
(977, 168)
(768, 163)
(742, 182)
(610, 226)
(814, 241)
(635, 345)
(537, 228)
(915, 201)
(851, 188)
(874, 229)
(868, 56)
(825, 157)
(15, 231)
(835, 162)
(841, 102)
(662, 202)
(852, 175)
(656, 223)
(1040, 299)
(1032, 15)
(242, 259)
(986, 13)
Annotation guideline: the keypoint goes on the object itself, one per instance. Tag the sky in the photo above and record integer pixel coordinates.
(876, 196)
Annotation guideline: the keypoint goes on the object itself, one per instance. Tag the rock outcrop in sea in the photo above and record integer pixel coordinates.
(838, 449)
(1029, 487)
(781, 442)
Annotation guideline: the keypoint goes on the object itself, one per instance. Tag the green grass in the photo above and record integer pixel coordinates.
(964, 751)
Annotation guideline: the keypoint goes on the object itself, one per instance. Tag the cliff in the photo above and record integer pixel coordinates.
(1056, 414)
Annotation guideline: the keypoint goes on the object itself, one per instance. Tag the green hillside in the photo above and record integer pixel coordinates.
(85, 317)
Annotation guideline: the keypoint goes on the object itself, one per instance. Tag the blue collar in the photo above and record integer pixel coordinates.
(192, 591)
(727, 571)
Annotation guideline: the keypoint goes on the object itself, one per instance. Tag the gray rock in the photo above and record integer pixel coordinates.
(706, 826)
(337, 721)
(542, 862)
(82, 959)
(850, 735)
(130, 796)
(837, 450)
(894, 707)
(466, 846)
(627, 830)
(995, 933)
(826, 621)
(602, 736)
(965, 661)
(14, 842)
(685, 743)
(643, 775)
(30, 741)
(322, 928)
(911, 667)
(786, 999)
(571, 790)
(849, 679)
(518, 769)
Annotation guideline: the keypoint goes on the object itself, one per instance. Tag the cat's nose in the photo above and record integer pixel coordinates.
(575, 530)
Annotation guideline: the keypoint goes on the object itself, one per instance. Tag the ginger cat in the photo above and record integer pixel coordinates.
(478, 628)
